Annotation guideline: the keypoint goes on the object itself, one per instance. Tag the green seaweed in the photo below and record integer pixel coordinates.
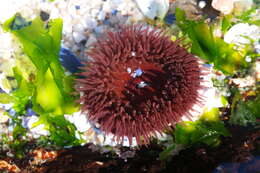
(210, 47)
(245, 112)
(207, 130)
(46, 87)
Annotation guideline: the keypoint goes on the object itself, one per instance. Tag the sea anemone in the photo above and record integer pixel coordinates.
(138, 83)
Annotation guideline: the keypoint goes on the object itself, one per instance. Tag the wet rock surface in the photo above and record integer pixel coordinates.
(242, 149)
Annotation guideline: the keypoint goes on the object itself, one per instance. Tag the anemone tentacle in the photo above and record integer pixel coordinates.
(139, 82)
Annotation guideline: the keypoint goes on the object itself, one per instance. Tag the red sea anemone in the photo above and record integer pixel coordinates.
(138, 82)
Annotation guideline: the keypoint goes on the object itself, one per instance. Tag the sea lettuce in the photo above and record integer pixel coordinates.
(41, 43)
(209, 47)
(207, 130)
(245, 112)
(44, 86)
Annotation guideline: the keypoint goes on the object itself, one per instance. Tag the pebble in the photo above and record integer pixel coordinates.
(99, 29)
(55, 13)
(67, 29)
(37, 131)
(62, 5)
(101, 15)
(94, 12)
(91, 23)
(202, 4)
(257, 69)
(9, 154)
(241, 33)
(224, 6)
(249, 81)
(92, 38)
(248, 59)
(148, 8)
(3, 117)
(107, 6)
(44, 15)
(77, 7)
(257, 47)
(69, 60)
(6, 106)
(170, 18)
(4, 83)
(78, 37)
(79, 120)
(114, 12)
